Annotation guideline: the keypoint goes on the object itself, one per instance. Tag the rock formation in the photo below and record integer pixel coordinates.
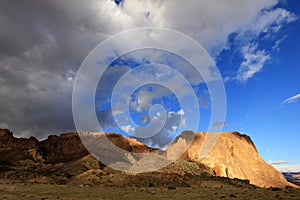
(14, 149)
(64, 159)
(233, 156)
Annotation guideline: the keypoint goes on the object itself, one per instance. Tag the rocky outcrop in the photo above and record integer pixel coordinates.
(63, 148)
(14, 149)
(233, 156)
(113, 148)
(129, 144)
(65, 158)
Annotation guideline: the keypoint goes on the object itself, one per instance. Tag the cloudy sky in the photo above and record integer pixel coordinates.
(253, 43)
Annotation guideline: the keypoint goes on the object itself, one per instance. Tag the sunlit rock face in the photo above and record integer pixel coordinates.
(233, 156)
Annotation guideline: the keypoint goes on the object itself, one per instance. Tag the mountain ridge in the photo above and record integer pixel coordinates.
(58, 151)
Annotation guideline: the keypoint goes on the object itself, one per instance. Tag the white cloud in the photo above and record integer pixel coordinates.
(211, 22)
(265, 25)
(180, 112)
(144, 99)
(127, 129)
(288, 168)
(219, 124)
(278, 162)
(253, 63)
(292, 99)
(269, 21)
(174, 128)
(278, 42)
(57, 35)
(285, 166)
(199, 19)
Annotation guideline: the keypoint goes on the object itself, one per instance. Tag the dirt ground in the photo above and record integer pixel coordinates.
(48, 192)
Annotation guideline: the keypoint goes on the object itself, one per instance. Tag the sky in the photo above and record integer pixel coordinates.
(253, 45)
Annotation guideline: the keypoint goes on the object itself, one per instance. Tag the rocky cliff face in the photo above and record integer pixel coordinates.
(233, 156)
(60, 149)
(14, 149)
(63, 148)
(64, 157)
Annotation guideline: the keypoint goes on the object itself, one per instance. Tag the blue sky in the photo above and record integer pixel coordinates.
(254, 44)
(260, 73)
(258, 107)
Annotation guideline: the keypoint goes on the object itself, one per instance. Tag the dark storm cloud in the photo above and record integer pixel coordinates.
(42, 44)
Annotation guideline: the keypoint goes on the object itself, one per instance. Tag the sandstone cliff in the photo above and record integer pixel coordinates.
(233, 156)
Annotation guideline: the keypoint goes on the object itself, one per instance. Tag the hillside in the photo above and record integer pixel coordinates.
(65, 160)
(233, 156)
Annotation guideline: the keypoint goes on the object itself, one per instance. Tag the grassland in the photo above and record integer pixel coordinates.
(207, 190)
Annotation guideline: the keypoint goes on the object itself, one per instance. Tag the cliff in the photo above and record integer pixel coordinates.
(233, 156)
(65, 159)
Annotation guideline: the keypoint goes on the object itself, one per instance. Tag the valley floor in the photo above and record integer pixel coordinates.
(9, 190)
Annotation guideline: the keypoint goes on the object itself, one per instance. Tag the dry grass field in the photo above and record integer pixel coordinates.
(208, 190)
